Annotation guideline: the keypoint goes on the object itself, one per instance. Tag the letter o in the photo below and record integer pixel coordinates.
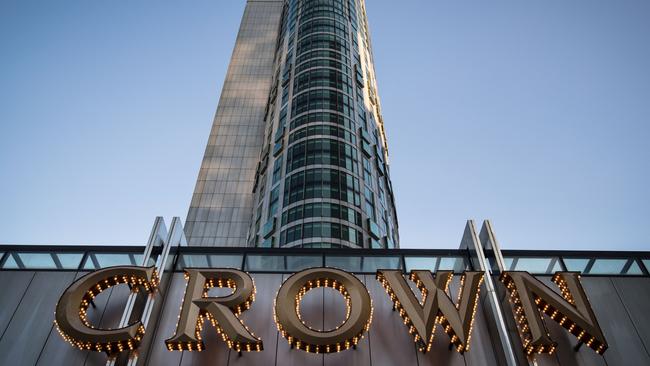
(346, 335)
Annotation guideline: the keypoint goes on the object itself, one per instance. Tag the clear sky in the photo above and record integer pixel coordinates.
(534, 114)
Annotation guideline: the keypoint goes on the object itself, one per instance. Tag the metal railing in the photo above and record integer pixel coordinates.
(289, 260)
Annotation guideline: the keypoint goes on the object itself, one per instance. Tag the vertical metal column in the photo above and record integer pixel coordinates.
(143, 307)
(490, 300)
(491, 246)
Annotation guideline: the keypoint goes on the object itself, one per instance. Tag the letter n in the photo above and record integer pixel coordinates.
(571, 310)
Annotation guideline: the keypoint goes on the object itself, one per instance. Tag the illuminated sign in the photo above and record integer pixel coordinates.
(571, 310)
(530, 299)
(222, 312)
(298, 334)
(435, 307)
(70, 316)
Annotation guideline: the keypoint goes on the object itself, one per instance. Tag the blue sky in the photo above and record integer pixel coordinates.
(534, 114)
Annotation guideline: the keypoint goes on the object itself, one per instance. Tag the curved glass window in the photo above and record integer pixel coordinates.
(322, 78)
(322, 183)
(314, 10)
(328, 41)
(321, 245)
(321, 117)
(311, 3)
(322, 99)
(323, 130)
(321, 209)
(321, 25)
(322, 151)
(320, 54)
(321, 230)
(323, 62)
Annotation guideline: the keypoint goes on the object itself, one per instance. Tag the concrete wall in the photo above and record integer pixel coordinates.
(28, 337)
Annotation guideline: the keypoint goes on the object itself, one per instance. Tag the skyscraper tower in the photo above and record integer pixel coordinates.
(297, 156)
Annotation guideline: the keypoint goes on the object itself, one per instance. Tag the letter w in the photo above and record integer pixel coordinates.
(436, 305)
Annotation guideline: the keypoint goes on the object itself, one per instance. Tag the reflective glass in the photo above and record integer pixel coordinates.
(103, 260)
(608, 266)
(210, 261)
(320, 230)
(36, 260)
(43, 260)
(69, 260)
(10, 262)
(576, 264)
(455, 264)
(350, 264)
(297, 263)
(646, 263)
(428, 263)
(533, 265)
(372, 264)
(322, 117)
(634, 269)
(507, 261)
(264, 263)
(604, 266)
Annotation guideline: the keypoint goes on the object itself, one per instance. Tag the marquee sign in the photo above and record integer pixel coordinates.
(358, 311)
(70, 316)
(529, 296)
(222, 312)
(571, 310)
(435, 307)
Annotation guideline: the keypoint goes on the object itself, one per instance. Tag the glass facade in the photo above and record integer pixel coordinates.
(324, 136)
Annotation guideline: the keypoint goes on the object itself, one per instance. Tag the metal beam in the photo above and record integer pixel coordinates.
(473, 245)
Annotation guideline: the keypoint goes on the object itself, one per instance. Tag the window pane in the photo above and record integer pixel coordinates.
(634, 269)
(372, 264)
(507, 261)
(10, 263)
(456, 264)
(103, 260)
(69, 260)
(533, 265)
(210, 261)
(43, 260)
(36, 260)
(265, 263)
(428, 263)
(646, 263)
(604, 266)
(573, 264)
(608, 266)
(350, 264)
(297, 263)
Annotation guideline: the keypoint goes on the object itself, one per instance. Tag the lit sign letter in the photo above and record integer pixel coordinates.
(223, 312)
(346, 335)
(70, 315)
(436, 306)
(571, 310)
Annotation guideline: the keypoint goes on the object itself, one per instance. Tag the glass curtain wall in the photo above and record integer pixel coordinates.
(323, 177)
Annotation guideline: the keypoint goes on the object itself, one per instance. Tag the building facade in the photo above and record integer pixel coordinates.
(297, 156)
(296, 168)
(33, 280)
